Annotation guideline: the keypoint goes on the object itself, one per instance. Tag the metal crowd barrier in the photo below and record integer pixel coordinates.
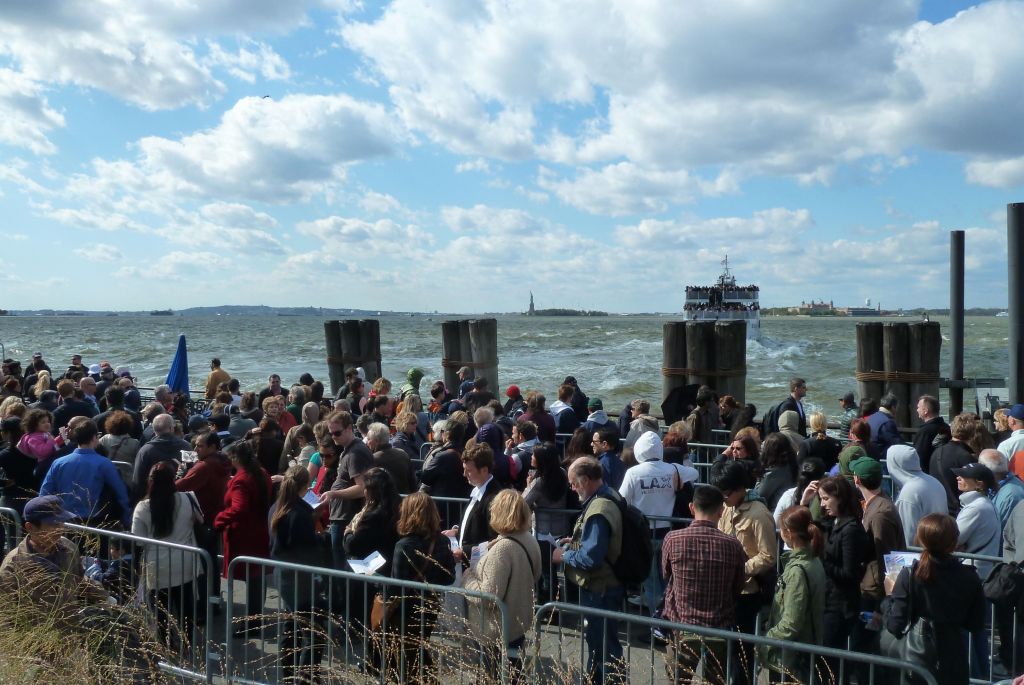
(148, 577)
(315, 627)
(11, 530)
(694, 653)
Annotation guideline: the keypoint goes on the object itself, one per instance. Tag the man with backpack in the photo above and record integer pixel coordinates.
(596, 544)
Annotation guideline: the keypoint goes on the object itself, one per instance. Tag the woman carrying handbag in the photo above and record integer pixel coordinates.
(933, 606)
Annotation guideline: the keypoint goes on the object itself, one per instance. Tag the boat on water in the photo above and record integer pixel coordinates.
(725, 301)
(1003, 314)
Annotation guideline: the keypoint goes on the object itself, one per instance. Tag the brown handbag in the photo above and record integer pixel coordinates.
(381, 610)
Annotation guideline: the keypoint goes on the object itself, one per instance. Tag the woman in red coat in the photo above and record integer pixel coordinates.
(243, 523)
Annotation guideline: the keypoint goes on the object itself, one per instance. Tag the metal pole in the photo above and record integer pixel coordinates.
(1015, 262)
(956, 319)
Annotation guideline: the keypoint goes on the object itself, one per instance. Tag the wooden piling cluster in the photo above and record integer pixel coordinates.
(472, 343)
(901, 358)
(352, 343)
(712, 353)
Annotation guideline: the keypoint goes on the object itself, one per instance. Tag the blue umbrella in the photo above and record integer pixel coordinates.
(177, 377)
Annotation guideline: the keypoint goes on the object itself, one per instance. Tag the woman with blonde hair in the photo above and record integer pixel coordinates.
(510, 569)
(819, 444)
(43, 383)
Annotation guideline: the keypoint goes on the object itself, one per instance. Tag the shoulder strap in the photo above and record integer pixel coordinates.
(529, 559)
(195, 505)
(807, 582)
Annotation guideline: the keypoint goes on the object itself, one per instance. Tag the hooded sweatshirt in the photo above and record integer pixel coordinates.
(789, 425)
(413, 378)
(564, 422)
(920, 493)
(651, 485)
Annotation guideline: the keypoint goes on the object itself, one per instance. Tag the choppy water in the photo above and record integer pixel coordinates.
(615, 358)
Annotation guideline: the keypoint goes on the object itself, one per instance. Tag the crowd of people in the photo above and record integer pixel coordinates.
(550, 489)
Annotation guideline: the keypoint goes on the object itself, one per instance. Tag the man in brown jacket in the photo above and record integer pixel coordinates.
(885, 530)
(216, 377)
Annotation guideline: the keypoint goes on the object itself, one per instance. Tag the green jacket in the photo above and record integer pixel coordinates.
(601, 578)
(797, 611)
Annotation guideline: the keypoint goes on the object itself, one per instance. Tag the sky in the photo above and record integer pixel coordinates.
(455, 155)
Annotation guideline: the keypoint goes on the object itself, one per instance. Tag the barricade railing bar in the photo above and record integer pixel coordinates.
(172, 582)
(323, 628)
(713, 654)
(11, 530)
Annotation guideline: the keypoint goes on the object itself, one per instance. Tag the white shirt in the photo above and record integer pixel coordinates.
(475, 496)
(1012, 444)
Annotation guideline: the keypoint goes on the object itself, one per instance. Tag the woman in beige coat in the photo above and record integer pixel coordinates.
(509, 569)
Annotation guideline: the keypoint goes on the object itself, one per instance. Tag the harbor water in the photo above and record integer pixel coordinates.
(616, 358)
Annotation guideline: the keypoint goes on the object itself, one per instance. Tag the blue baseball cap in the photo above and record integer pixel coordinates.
(46, 509)
(1016, 411)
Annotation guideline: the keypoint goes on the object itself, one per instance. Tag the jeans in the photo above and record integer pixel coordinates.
(338, 546)
(604, 651)
(654, 586)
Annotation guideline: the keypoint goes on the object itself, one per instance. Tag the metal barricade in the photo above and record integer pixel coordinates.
(315, 625)
(165, 587)
(627, 644)
(11, 530)
(452, 509)
(425, 449)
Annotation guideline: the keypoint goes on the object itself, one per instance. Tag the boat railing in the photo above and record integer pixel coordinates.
(721, 314)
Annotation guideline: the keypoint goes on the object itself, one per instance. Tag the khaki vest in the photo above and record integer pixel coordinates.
(599, 579)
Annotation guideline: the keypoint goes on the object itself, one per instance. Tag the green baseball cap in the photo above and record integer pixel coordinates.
(866, 467)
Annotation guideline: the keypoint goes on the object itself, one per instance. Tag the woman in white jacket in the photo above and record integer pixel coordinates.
(169, 574)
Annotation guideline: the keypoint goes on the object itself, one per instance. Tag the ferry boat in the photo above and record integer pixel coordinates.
(725, 301)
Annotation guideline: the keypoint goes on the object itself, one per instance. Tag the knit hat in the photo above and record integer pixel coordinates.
(595, 403)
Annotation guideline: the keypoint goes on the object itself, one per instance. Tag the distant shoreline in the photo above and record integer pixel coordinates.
(243, 310)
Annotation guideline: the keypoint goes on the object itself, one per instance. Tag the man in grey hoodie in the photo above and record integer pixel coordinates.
(920, 493)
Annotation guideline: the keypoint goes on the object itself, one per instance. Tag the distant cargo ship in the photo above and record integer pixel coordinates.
(162, 312)
(725, 301)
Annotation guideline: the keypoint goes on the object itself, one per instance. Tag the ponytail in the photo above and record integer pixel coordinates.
(798, 521)
(938, 535)
(295, 479)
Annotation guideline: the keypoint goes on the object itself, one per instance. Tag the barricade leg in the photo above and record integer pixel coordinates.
(604, 651)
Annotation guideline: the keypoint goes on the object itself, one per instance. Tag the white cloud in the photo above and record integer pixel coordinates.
(178, 266)
(678, 92)
(25, 115)
(1002, 173)
(495, 221)
(479, 164)
(380, 203)
(625, 188)
(100, 252)
(252, 59)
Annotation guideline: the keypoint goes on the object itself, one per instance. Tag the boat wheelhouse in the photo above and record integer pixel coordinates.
(725, 301)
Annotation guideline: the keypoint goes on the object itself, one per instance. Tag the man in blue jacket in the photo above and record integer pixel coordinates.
(79, 480)
(884, 433)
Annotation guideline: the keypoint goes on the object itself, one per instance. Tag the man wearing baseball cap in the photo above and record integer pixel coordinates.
(849, 406)
(1014, 444)
(46, 566)
(885, 529)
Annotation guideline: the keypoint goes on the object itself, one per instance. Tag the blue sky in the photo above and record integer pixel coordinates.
(455, 155)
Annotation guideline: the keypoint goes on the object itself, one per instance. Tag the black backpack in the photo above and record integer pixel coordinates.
(637, 552)
(770, 422)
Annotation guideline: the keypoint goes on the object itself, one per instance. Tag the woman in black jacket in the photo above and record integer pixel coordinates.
(442, 470)
(846, 550)
(425, 556)
(778, 462)
(375, 527)
(942, 589)
(293, 538)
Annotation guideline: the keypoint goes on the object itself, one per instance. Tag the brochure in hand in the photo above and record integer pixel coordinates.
(367, 566)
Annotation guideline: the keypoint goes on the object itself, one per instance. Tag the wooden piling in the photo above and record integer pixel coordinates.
(925, 348)
(673, 356)
(335, 366)
(869, 359)
(700, 352)
(731, 359)
(896, 357)
(451, 354)
(483, 339)
(351, 343)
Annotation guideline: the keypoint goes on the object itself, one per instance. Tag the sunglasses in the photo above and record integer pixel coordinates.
(337, 433)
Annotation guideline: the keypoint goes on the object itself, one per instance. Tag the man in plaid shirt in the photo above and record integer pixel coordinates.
(704, 574)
